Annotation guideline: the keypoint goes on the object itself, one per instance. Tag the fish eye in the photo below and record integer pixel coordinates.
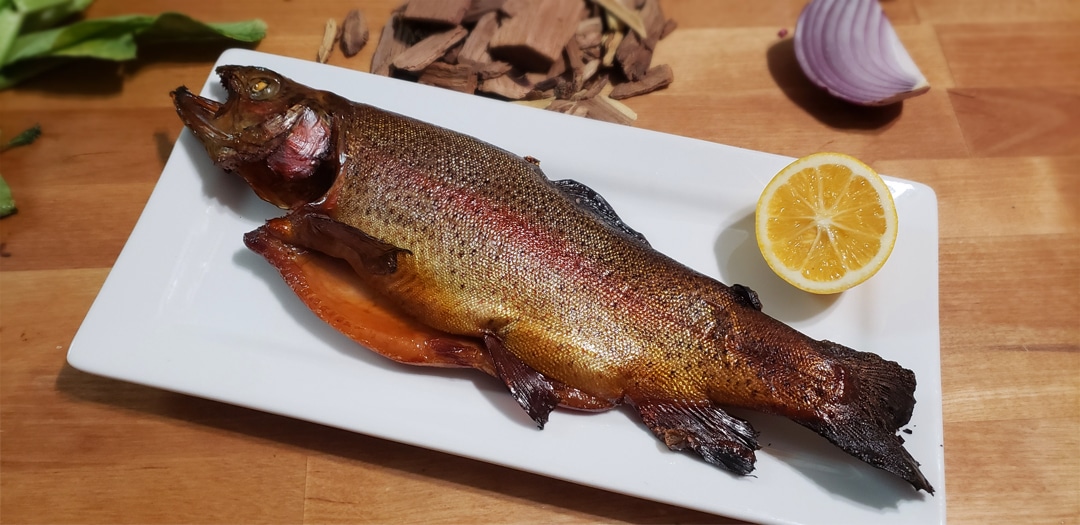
(263, 89)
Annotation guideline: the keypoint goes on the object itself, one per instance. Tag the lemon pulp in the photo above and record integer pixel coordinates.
(826, 223)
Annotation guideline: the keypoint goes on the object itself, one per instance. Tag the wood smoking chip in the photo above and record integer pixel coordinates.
(489, 70)
(600, 108)
(631, 18)
(656, 78)
(592, 53)
(505, 86)
(391, 44)
(479, 8)
(669, 27)
(619, 106)
(531, 78)
(561, 106)
(633, 57)
(460, 77)
(593, 87)
(330, 35)
(512, 8)
(575, 60)
(589, 33)
(536, 94)
(534, 38)
(476, 44)
(442, 12)
(611, 45)
(354, 33)
(564, 89)
(549, 84)
(428, 50)
(653, 17)
(568, 107)
(587, 73)
(634, 54)
(452, 54)
(558, 67)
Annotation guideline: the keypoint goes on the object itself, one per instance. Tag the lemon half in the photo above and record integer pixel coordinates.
(826, 223)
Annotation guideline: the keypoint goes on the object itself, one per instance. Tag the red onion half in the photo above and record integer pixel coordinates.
(849, 48)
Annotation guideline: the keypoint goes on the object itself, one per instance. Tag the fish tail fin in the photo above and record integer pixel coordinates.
(866, 425)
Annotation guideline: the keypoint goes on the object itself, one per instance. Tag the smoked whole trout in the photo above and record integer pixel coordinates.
(434, 248)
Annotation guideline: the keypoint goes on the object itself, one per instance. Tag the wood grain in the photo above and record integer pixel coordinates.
(997, 138)
(1006, 122)
(1012, 54)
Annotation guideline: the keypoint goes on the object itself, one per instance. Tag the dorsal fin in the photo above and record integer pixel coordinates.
(747, 296)
(588, 199)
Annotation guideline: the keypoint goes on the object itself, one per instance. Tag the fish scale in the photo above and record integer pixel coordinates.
(518, 229)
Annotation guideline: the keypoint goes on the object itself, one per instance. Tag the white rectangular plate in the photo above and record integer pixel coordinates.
(189, 309)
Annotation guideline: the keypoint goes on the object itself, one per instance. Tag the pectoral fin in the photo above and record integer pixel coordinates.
(718, 437)
(318, 232)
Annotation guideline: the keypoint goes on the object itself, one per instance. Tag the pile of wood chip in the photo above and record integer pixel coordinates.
(573, 56)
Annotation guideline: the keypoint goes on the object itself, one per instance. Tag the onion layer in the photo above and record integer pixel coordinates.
(849, 48)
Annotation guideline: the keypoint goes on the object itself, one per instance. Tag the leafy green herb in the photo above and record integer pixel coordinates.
(27, 137)
(24, 53)
(43, 14)
(7, 202)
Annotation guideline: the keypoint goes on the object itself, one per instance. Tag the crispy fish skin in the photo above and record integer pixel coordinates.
(561, 300)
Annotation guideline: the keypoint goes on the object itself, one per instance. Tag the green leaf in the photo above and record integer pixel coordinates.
(26, 138)
(27, 6)
(10, 22)
(88, 38)
(178, 26)
(113, 38)
(7, 202)
(43, 14)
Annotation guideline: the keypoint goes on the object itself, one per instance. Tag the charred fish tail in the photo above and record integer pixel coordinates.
(866, 426)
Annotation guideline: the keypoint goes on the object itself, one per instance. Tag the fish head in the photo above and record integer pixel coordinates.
(275, 133)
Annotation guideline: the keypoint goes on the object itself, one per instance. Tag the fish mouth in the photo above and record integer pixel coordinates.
(200, 115)
(230, 131)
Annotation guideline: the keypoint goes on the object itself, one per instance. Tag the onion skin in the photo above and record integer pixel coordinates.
(849, 48)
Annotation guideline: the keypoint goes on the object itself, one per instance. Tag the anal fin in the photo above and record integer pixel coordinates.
(720, 438)
(531, 389)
